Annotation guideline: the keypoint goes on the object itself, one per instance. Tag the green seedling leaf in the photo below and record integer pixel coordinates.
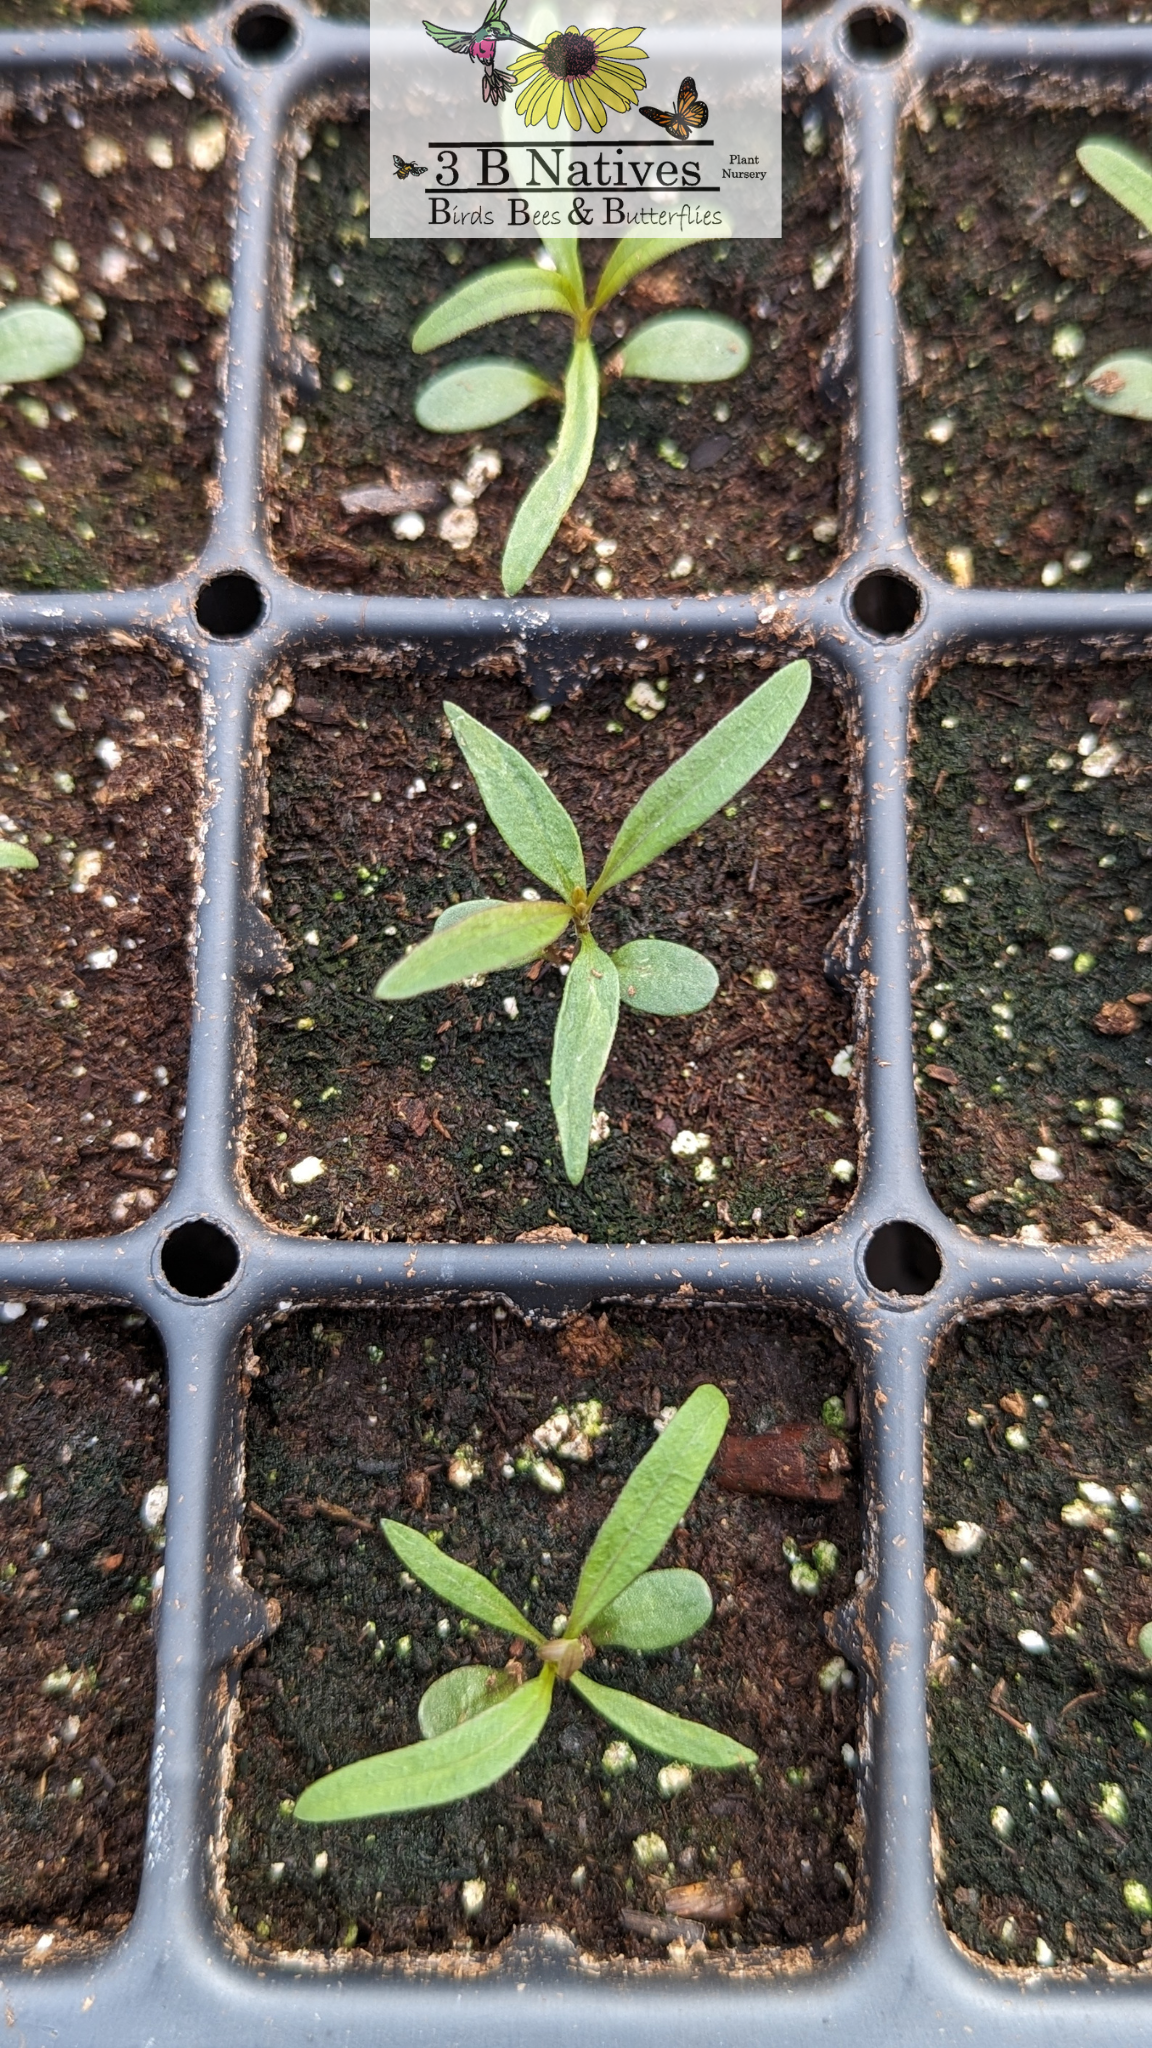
(37, 341)
(520, 804)
(13, 856)
(706, 776)
(496, 294)
(438, 1771)
(479, 394)
(457, 1583)
(508, 936)
(686, 1742)
(634, 254)
(565, 253)
(456, 912)
(664, 979)
(543, 506)
(1124, 173)
(585, 1029)
(460, 1695)
(1122, 384)
(655, 1611)
(685, 348)
(649, 1504)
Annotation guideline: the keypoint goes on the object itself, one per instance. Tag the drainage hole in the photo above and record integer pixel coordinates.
(886, 603)
(902, 1259)
(230, 605)
(264, 32)
(876, 35)
(199, 1259)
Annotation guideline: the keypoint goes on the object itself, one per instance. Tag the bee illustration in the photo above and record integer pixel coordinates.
(690, 113)
(404, 170)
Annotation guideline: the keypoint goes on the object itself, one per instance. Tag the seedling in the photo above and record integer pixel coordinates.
(477, 1721)
(651, 975)
(691, 347)
(1121, 383)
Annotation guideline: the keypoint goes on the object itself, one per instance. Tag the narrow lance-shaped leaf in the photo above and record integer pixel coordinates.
(685, 348)
(687, 1742)
(479, 394)
(704, 778)
(520, 804)
(13, 856)
(544, 504)
(1123, 172)
(457, 1583)
(1122, 384)
(456, 912)
(565, 253)
(438, 1771)
(496, 294)
(664, 979)
(655, 1611)
(650, 1504)
(585, 1028)
(37, 341)
(460, 1695)
(508, 936)
(634, 254)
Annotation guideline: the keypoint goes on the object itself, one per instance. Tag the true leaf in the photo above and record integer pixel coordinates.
(457, 1583)
(707, 775)
(498, 293)
(650, 1504)
(438, 1771)
(520, 804)
(1124, 173)
(634, 254)
(664, 979)
(13, 856)
(456, 912)
(565, 253)
(655, 1611)
(37, 341)
(508, 936)
(686, 348)
(544, 504)
(687, 1742)
(585, 1029)
(479, 394)
(460, 1695)
(1122, 384)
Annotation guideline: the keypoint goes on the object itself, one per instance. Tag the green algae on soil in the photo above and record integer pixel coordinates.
(127, 440)
(1008, 246)
(95, 987)
(432, 1118)
(1044, 1735)
(758, 458)
(83, 1409)
(356, 1415)
(1019, 849)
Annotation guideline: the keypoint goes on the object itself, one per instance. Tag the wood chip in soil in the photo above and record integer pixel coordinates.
(364, 1411)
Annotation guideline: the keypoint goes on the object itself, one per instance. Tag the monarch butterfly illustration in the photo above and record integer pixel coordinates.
(404, 170)
(690, 113)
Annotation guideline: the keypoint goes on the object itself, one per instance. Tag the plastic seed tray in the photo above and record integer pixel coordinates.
(891, 1273)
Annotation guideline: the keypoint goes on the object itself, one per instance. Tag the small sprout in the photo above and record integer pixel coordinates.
(620, 1757)
(15, 1482)
(964, 1540)
(804, 1577)
(833, 1414)
(673, 1778)
(473, 1893)
(1138, 1898)
(651, 1852)
(58, 1681)
(1083, 963)
(825, 1557)
(1113, 1804)
(831, 1675)
(1032, 1641)
(1002, 1823)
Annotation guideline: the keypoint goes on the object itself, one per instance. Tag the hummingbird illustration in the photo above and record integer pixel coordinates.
(479, 46)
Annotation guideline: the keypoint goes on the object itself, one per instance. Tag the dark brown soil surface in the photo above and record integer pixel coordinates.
(1044, 1735)
(432, 1118)
(1007, 246)
(360, 1412)
(93, 1059)
(83, 1410)
(130, 445)
(1030, 1052)
(760, 456)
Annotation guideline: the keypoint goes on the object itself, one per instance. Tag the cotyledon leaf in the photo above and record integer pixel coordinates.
(1123, 172)
(508, 936)
(664, 979)
(650, 1504)
(687, 1742)
(457, 1583)
(479, 394)
(438, 1771)
(1122, 384)
(14, 856)
(37, 341)
(520, 804)
(655, 1611)
(460, 1695)
(685, 348)
(495, 294)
